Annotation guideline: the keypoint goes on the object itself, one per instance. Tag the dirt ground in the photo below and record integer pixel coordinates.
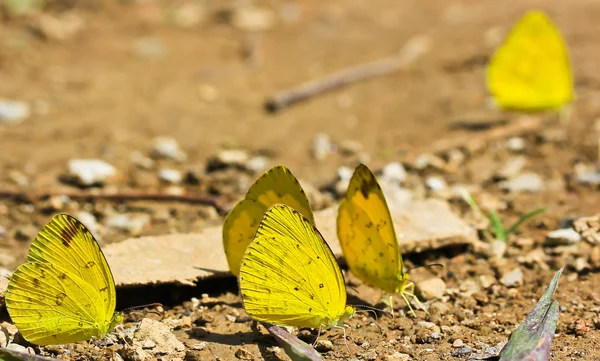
(132, 71)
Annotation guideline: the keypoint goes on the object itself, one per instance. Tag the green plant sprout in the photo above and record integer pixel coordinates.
(498, 231)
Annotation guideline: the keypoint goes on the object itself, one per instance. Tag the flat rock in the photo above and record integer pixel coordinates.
(422, 225)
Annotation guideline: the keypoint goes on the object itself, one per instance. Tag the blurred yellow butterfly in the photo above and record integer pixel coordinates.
(277, 185)
(368, 239)
(289, 275)
(65, 291)
(531, 70)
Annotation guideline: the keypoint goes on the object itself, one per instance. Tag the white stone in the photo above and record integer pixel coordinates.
(167, 148)
(170, 176)
(88, 172)
(13, 111)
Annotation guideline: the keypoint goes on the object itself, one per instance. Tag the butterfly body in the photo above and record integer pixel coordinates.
(65, 291)
(289, 275)
(531, 70)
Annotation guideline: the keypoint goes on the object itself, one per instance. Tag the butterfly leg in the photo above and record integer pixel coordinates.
(389, 302)
(410, 290)
(345, 340)
(318, 335)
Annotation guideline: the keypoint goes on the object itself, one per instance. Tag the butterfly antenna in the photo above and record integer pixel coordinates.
(426, 266)
(353, 289)
(366, 307)
(156, 304)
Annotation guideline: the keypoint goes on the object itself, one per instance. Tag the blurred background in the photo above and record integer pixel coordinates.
(102, 78)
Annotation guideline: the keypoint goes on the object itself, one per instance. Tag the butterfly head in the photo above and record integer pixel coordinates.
(116, 319)
(348, 312)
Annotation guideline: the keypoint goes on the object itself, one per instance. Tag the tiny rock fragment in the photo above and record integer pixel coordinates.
(141, 161)
(433, 288)
(188, 14)
(397, 356)
(228, 158)
(90, 172)
(562, 237)
(394, 172)
(132, 223)
(512, 167)
(486, 281)
(588, 228)
(170, 176)
(458, 343)
(436, 183)
(253, 18)
(199, 346)
(167, 148)
(321, 146)
(515, 144)
(513, 278)
(165, 343)
(524, 183)
(324, 346)
(258, 164)
(243, 354)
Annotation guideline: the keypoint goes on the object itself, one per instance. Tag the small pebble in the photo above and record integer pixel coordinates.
(394, 172)
(228, 158)
(512, 167)
(513, 278)
(257, 164)
(324, 346)
(397, 356)
(515, 144)
(321, 146)
(458, 343)
(148, 345)
(167, 148)
(188, 14)
(13, 112)
(562, 237)
(141, 161)
(433, 288)
(90, 172)
(525, 182)
(133, 224)
(436, 184)
(170, 176)
(243, 354)
(199, 346)
(253, 18)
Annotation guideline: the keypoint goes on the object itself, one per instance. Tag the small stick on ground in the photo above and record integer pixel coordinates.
(413, 49)
(130, 195)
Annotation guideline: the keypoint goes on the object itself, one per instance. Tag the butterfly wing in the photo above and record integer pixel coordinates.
(289, 275)
(366, 233)
(50, 305)
(66, 243)
(278, 185)
(531, 69)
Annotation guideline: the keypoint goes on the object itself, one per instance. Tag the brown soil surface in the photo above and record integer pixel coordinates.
(94, 97)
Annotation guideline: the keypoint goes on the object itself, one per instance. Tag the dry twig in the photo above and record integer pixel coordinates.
(413, 49)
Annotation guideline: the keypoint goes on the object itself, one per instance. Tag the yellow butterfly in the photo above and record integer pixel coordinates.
(368, 239)
(65, 291)
(531, 70)
(289, 275)
(277, 185)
